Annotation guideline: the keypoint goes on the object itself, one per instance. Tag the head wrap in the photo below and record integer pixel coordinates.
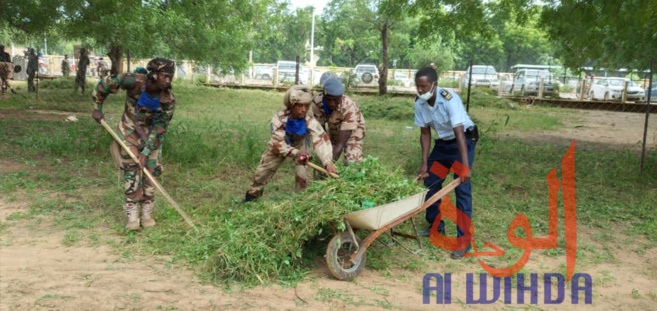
(333, 87)
(161, 65)
(141, 70)
(297, 94)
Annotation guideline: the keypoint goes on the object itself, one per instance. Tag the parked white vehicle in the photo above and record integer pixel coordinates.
(481, 76)
(404, 77)
(527, 82)
(288, 69)
(612, 89)
(367, 74)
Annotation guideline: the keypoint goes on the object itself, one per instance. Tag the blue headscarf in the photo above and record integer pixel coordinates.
(296, 126)
(327, 111)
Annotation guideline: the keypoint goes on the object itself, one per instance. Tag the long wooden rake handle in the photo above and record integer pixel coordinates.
(148, 174)
(323, 170)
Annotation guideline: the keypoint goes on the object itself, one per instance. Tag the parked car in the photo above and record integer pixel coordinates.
(527, 82)
(288, 69)
(404, 77)
(367, 74)
(653, 93)
(481, 76)
(612, 89)
(264, 72)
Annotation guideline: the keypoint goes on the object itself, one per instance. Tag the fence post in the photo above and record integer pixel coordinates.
(208, 75)
(624, 93)
(500, 86)
(582, 90)
(540, 88)
(275, 71)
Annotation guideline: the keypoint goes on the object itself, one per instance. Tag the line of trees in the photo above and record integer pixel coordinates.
(398, 33)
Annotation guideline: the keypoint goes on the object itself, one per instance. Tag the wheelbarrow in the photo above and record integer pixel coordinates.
(346, 252)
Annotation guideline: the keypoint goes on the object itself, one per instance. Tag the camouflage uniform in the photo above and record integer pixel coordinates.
(32, 67)
(81, 74)
(142, 131)
(103, 68)
(346, 117)
(66, 67)
(284, 145)
(6, 73)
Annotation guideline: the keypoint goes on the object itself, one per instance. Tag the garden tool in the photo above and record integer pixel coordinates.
(323, 170)
(148, 174)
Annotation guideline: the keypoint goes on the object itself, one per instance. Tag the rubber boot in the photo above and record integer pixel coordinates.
(132, 210)
(147, 220)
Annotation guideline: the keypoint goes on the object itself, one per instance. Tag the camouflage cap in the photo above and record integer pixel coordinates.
(297, 94)
(161, 65)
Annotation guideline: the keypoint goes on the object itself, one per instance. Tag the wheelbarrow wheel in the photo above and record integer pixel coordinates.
(337, 257)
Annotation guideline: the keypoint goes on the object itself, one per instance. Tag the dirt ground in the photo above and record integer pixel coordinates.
(597, 128)
(39, 272)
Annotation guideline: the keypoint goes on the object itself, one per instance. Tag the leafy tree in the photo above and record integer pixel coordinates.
(613, 33)
(348, 39)
(282, 34)
(428, 52)
(217, 32)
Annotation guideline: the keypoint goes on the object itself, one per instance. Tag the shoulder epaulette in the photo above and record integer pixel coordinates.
(446, 94)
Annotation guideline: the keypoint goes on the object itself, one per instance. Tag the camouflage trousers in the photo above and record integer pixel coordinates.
(353, 151)
(270, 162)
(6, 70)
(30, 82)
(137, 186)
(81, 79)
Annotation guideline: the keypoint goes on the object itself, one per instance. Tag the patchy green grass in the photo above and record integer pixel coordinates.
(216, 140)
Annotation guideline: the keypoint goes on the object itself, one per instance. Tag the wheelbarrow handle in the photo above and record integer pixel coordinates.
(323, 170)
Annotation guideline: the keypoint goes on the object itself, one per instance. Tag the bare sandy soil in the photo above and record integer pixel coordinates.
(599, 128)
(39, 272)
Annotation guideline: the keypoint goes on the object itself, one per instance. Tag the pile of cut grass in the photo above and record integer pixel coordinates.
(267, 240)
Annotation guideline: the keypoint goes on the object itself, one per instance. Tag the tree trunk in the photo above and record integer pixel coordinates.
(116, 56)
(383, 74)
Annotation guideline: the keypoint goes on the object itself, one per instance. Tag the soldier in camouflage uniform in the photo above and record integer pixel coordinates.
(293, 129)
(6, 70)
(346, 125)
(81, 74)
(66, 66)
(32, 67)
(103, 68)
(148, 110)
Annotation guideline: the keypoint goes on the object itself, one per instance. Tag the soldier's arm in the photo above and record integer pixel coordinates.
(108, 85)
(277, 143)
(321, 142)
(160, 126)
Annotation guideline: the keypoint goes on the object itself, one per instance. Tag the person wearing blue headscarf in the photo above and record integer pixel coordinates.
(293, 129)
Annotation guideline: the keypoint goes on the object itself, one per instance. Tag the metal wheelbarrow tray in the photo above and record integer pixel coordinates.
(346, 253)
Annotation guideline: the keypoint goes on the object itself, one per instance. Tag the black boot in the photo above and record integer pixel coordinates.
(248, 198)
